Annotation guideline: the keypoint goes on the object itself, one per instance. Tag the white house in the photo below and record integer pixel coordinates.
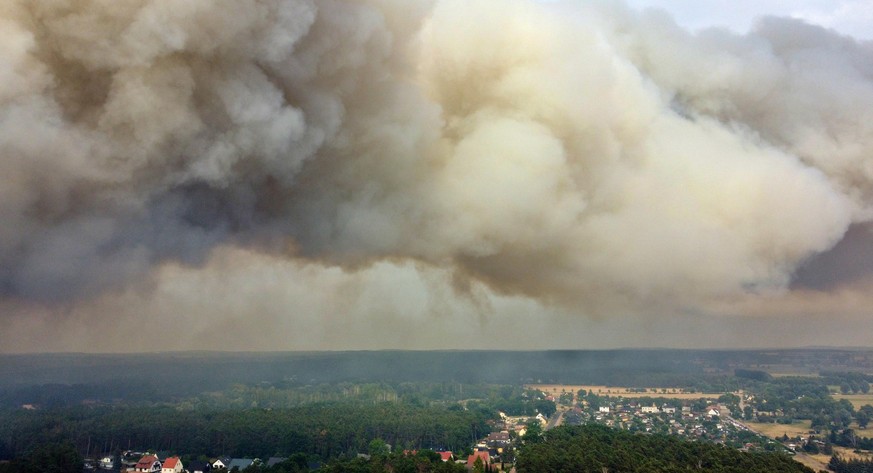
(604, 409)
(650, 409)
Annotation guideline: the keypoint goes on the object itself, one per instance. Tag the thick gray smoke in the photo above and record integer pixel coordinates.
(587, 156)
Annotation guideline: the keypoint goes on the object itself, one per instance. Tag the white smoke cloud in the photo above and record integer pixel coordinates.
(588, 158)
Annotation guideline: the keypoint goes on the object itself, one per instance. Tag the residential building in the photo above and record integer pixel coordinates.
(148, 464)
(172, 465)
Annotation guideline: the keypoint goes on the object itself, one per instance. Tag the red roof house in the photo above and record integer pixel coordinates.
(148, 464)
(486, 458)
(172, 465)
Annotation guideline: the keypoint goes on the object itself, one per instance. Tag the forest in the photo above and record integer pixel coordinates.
(325, 430)
(597, 449)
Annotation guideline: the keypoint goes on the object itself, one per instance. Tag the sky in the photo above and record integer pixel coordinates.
(434, 174)
(848, 17)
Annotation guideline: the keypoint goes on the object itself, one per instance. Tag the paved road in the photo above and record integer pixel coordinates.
(556, 420)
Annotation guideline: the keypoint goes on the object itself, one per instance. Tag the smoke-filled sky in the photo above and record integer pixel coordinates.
(425, 174)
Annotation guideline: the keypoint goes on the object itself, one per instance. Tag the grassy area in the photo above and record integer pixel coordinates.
(774, 430)
(671, 393)
(844, 452)
(857, 400)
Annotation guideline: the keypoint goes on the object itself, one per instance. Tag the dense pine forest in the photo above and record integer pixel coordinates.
(597, 449)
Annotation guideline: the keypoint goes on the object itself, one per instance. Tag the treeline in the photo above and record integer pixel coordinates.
(48, 458)
(840, 465)
(850, 439)
(421, 394)
(756, 375)
(849, 382)
(598, 449)
(421, 462)
(326, 429)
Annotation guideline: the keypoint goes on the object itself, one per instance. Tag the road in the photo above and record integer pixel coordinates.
(556, 420)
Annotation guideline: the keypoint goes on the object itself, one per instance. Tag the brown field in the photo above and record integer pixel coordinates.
(672, 393)
(773, 430)
(857, 400)
(816, 462)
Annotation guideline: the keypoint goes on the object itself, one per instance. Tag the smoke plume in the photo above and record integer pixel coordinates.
(585, 157)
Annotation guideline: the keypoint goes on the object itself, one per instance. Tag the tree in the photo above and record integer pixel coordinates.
(478, 465)
(533, 433)
(378, 447)
(863, 418)
(51, 458)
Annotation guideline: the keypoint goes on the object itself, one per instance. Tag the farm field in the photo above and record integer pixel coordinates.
(672, 393)
(774, 430)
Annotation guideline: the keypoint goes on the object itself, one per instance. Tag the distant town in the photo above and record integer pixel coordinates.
(749, 403)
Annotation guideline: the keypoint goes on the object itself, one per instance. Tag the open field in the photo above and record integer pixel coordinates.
(672, 393)
(857, 400)
(816, 462)
(774, 430)
(844, 452)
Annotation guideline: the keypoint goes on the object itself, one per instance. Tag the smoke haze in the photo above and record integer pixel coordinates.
(413, 174)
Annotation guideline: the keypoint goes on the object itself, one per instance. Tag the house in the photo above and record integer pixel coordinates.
(148, 464)
(220, 463)
(650, 409)
(668, 410)
(471, 460)
(198, 467)
(498, 439)
(272, 461)
(446, 456)
(240, 463)
(107, 462)
(172, 465)
(604, 409)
